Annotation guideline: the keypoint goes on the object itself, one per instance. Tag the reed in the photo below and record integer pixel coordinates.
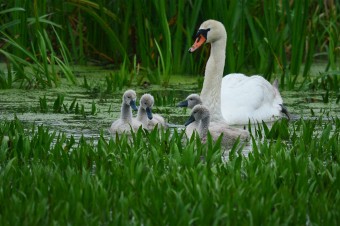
(43, 104)
(328, 81)
(6, 78)
(60, 106)
(33, 59)
(281, 39)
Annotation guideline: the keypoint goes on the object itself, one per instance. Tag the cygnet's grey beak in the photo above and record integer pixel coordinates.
(133, 105)
(183, 104)
(149, 113)
(190, 120)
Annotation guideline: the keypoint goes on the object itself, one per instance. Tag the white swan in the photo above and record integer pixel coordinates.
(230, 135)
(145, 115)
(243, 98)
(125, 123)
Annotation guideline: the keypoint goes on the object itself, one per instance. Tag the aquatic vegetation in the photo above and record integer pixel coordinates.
(45, 174)
(263, 37)
(278, 130)
(6, 78)
(329, 81)
(43, 104)
(33, 62)
(93, 108)
(60, 107)
(165, 98)
(58, 103)
(116, 81)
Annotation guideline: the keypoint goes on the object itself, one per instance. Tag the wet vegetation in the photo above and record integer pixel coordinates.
(84, 176)
(60, 107)
(291, 177)
(41, 40)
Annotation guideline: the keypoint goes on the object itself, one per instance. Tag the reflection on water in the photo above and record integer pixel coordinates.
(25, 106)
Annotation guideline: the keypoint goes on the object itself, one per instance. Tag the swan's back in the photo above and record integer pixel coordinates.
(249, 98)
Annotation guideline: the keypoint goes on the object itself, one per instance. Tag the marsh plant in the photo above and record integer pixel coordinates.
(160, 177)
(59, 106)
(28, 47)
(277, 38)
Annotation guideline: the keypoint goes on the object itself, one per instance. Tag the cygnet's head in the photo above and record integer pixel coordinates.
(146, 102)
(198, 113)
(191, 101)
(129, 98)
(210, 31)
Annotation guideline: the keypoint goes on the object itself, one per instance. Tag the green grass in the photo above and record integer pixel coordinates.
(157, 179)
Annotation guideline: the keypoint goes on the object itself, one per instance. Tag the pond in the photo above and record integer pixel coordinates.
(97, 109)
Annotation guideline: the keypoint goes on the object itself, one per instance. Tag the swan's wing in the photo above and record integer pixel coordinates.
(246, 93)
(244, 98)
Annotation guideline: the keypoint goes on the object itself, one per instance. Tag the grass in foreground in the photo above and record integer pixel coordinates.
(48, 178)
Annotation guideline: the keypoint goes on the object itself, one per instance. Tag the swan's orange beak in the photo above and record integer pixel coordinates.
(200, 40)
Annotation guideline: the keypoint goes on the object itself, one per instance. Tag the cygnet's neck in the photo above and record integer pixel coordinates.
(126, 113)
(142, 116)
(204, 127)
(211, 91)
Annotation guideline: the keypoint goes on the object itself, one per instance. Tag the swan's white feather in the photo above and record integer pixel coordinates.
(244, 98)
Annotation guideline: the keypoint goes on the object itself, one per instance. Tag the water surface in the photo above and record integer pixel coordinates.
(24, 104)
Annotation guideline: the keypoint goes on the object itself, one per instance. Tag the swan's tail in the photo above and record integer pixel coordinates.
(276, 84)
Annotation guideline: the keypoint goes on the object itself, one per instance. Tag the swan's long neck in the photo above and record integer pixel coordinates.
(204, 127)
(126, 113)
(211, 91)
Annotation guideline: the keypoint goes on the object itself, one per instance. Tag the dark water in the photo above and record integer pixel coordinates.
(24, 104)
